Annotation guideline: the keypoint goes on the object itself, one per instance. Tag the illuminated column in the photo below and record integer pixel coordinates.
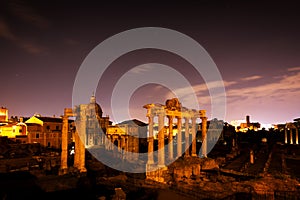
(204, 133)
(194, 137)
(296, 135)
(170, 138)
(291, 136)
(77, 149)
(187, 137)
(161, 140)
(128, 153)
(179, 137)
(123, 142)
(82, 134)
(251, 156)
(64, 144)
(285, 135)
(119, 143)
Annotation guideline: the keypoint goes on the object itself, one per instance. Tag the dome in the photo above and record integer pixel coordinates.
(94, 108)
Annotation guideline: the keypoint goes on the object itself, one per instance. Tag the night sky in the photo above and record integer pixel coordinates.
(255, 45)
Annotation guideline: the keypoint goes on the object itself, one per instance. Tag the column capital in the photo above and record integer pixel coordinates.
(187, 118)
(150, 115)
(171, 116)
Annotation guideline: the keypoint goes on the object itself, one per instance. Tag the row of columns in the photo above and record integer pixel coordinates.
(291, 135)
(161, 137)
(79, 159)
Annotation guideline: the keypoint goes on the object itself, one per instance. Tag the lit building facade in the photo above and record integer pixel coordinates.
(47, 131)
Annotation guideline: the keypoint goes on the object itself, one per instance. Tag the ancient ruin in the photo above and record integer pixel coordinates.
(172, 109)
(290, 127)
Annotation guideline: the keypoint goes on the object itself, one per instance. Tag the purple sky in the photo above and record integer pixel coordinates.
(255, 46)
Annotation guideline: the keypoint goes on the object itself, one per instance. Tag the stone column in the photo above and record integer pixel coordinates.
(194, 139)
(179, 137)
(204, 138)
(291, 136)
(161, 140)
(251, 156)
(77, 149)
(123, 142)
(170, 138)
(64, 144)
(296, 135)
(82, 134)
(128, 153)
(285, 135)
(187, 137)
(150, 141)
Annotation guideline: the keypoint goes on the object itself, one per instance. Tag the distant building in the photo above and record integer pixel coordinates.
(126, 135)
(215, 129)
(3, 115)
(13, 129)
(245, 126)
(95, 122)
(47, 131)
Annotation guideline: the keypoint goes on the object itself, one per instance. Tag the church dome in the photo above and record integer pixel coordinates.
(94, 108)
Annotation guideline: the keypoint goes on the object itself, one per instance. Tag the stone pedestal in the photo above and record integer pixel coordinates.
(160, 175)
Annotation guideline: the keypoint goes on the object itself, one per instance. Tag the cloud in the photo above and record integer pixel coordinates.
(28, 46)
(294, 69)
(288, 86)
(5, 32)
(31, 47)
(141, 69)
(280, 93)
(251, 78)
(70, 41)
(28, 14)
(202, 88)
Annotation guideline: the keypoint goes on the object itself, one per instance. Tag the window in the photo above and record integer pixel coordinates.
(37, 135)
(20, 130)
(48, 128)
(57, 128)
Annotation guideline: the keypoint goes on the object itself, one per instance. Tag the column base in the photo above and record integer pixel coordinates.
(159, 175)
(82, 170)
(62, 171)
(194, 155)
(186, 155)
(162, 167)
(150, 162)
